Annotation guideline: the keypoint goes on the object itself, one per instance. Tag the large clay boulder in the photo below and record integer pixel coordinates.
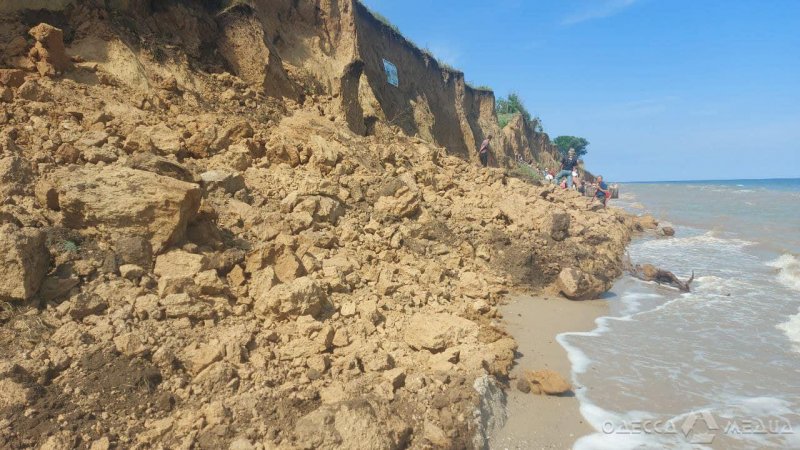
(577, 285)
(23, 261)
(15, 176)
(301, 297)
(437, 332)
(352, 425)
(49, 53)
(404, 203)
(127, 201)
(666, 231)
(646, 222)
(559, 226)
(547, 382)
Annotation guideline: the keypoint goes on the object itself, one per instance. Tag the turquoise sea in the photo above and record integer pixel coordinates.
(715, 368)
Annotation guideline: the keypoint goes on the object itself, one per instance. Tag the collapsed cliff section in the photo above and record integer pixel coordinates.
(200, 251)
(290, 50)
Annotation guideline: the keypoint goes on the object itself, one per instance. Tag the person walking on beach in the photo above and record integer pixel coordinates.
(568, 163)
(483, 153)
(602, 194)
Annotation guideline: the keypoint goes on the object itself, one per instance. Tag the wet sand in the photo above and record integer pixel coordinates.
(542, 422)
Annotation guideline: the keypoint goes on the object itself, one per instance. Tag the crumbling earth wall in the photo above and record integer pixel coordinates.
(196, 258)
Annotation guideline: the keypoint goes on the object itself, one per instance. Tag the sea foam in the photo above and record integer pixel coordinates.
(789, 270)
(792, 331)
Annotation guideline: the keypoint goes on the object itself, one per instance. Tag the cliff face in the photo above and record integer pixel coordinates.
(342, 46)
(334, 48)
(521, 138)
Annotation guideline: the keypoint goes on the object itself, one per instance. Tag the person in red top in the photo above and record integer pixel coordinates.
(483, 153)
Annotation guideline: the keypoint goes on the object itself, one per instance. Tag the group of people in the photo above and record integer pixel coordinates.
(566, 177)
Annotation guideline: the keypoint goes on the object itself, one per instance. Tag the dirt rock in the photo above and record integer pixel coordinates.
(131, 344)
(547, 382)
(85, 305)
(54, 287)
(180, 264)
(183, 306)
(12, 78)
(559, 226)
(577, 285)
(197, 357)
(344, 425)
(15, 176)
(288, 267)
(301, 297)
(241, 443)
(134, 250)
(646, 222)
(437, 332)
(524, 386)
(160, 165)
(667, 231)
(126, 200)
(131, 272)
(404, 203)
(227, 182)
(49, 53)
(6, 94)
(24, 262)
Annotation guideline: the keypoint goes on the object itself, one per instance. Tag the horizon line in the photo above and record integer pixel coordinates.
(707, 180)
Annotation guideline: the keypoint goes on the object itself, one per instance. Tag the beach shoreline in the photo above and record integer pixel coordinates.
(534, 421)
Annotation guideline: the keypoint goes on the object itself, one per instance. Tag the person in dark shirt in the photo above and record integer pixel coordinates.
(602, 194)
(483, 153)
(568, 163)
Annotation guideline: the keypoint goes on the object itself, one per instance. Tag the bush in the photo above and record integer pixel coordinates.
(512, 105)
(527, 173)
(504, 118)
(481, 87)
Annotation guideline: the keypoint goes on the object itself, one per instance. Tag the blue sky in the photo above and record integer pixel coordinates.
(663, 89)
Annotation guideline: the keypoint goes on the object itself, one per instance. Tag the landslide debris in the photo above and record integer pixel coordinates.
(193, 262)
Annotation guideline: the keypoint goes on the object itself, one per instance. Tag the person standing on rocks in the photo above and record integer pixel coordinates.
(483, 153)
(602, 194)
(568, 163)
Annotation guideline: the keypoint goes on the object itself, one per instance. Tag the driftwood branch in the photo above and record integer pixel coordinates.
(648, 272)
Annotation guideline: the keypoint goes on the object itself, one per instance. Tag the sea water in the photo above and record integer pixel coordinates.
(718, 367)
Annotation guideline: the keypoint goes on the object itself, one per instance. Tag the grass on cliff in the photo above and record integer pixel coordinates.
(425, 51)
(504, 118)
(481, 87)
(527, 173)
(382, 19)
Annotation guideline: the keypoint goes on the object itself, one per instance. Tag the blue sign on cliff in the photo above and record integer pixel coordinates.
(391, 73)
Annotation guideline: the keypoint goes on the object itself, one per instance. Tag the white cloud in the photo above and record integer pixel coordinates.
(598, 9)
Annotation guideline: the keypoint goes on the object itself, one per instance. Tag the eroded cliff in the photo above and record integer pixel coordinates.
(221, 231)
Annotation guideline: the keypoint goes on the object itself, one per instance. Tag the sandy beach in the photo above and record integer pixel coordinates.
(542, 422)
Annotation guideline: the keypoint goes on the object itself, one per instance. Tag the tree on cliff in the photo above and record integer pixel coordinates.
(564, 143)
(512, 105)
